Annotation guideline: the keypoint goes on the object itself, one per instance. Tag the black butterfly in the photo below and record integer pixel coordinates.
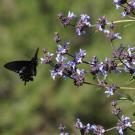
(25, 69)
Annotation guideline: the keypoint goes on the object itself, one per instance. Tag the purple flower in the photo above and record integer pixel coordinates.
(102, 21)
(60, 58)
(130, 51)
(71, 64)
(82, 53)
(111, 35)
(110, 90)
(78, 76)
(116, 111)
(117, 36)
(62, 130)
(102, 69)
(114, 103)
(124, 123)
(118, 3)
(59, 67)
(47, 57)
(79, 56)
(123, 14)
(79, 124)
(55, 73)
(97, 129)
(84, 129)
(85, 18)
(82, 24)
(63, 49)
(66, 20)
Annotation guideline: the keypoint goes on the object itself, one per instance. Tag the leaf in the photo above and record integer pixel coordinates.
(130, 98)
(125, 97)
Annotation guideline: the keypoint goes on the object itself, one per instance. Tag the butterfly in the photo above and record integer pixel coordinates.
(26, 69)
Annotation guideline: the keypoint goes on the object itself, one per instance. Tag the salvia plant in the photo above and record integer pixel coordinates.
(66, 65)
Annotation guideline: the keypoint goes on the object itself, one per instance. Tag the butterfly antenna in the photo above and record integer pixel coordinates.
(36, 54)
(25, 83)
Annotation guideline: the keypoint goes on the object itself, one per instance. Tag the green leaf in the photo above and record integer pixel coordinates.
(130, 98)
(125, 97)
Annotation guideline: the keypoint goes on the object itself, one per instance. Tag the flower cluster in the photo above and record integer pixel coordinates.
(65, 21)
(129, 6)
(68, 65)
(103, 67)
(88, 128)
(127, 58)
(62, 129)
(81, 24)
(101, 26)
(63, 67)
(123, 124)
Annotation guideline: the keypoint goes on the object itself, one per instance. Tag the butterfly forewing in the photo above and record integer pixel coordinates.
(25, 69)
(16, 66)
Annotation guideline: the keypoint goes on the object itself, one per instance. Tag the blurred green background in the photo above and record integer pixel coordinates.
(39, 107)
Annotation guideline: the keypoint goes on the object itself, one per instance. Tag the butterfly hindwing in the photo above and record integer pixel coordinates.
(25, 69)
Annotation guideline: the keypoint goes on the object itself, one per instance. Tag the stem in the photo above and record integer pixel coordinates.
(119, 21)
(131, 17)
(128, 88)
(110, 129)
(91, 83)
(74, 57)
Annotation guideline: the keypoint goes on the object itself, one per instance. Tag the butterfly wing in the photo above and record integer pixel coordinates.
(25, 69)
(16, 66)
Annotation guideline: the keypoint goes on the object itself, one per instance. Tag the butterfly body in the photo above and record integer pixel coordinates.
(25, 69)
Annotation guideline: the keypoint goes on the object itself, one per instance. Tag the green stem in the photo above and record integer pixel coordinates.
(131, 17)
(128, 88)
(115, 22)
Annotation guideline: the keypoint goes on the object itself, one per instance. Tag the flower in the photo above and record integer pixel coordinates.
(47, 57)
(82, 23)
(60, 58)
(62, 129)
(71, 64)
(103, 69)
(71, 15)
(102, 21)
(83, 128)
(78, 76)
(130, 51)
(118, 3)
(79, 124)
(123, 123)
(79, 56)
(63, 49)
(85, 18)
(57, 37)
(110, 90)
(55, 73)
(65, 21)
(97, 129)
(111, 35)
